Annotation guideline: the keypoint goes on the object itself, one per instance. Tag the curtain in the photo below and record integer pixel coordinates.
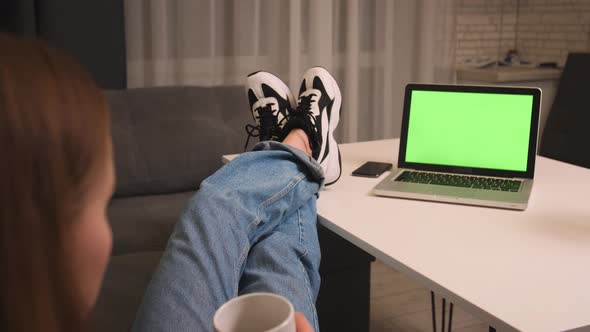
(372, 47)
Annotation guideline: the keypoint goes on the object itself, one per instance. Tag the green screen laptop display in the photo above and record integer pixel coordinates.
(469, 129)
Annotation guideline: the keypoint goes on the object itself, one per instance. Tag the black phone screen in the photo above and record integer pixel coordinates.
(372, 169)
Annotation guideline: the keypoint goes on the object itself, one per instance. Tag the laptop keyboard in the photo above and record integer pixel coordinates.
(464, 181)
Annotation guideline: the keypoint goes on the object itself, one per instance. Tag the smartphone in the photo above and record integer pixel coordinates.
(372, 169)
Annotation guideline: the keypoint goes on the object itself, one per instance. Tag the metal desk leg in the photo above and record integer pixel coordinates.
(450, 317)
(444, 306)
(433, 311)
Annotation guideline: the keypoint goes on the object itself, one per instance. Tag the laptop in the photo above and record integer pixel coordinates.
(471, 145)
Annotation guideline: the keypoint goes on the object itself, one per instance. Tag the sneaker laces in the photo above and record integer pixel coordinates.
(267, 125)
(303, 111)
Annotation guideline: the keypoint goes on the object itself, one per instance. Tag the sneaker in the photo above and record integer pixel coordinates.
(270, 102)
(318, 114)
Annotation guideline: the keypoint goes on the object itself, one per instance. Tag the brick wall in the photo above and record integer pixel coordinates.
(543, 30)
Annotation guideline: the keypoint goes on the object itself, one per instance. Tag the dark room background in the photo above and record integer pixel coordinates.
(92, 31)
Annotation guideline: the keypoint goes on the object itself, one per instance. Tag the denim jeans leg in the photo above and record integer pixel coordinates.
(242, 203)
(286, 262)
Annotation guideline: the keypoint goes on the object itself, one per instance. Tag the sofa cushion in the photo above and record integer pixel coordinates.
(168, 139)
(125, 281)
(144, 223)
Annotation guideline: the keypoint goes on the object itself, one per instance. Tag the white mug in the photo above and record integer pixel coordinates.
(256, 312)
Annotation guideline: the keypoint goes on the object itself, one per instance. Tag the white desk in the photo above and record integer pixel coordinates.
(525, 270)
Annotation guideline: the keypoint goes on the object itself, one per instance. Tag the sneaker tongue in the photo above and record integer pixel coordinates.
(269, 101)
(315, 97)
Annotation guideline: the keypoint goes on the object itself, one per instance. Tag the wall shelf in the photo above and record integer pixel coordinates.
(508, 74)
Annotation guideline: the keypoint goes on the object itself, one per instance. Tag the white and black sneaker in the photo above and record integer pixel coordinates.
(270, 103)
(318, 114)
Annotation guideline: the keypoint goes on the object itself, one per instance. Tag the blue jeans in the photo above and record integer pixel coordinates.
(251, 227)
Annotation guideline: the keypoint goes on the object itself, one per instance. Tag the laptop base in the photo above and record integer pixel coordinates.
(467, 196)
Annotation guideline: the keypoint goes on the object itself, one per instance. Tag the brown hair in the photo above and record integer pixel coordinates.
(54, 132)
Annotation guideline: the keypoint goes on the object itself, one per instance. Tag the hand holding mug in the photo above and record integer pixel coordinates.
(258, 312)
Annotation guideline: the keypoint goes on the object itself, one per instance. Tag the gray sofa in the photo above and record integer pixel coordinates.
(166, 141)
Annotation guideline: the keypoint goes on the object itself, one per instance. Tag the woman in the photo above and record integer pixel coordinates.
(56, 181)
(57, 178)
